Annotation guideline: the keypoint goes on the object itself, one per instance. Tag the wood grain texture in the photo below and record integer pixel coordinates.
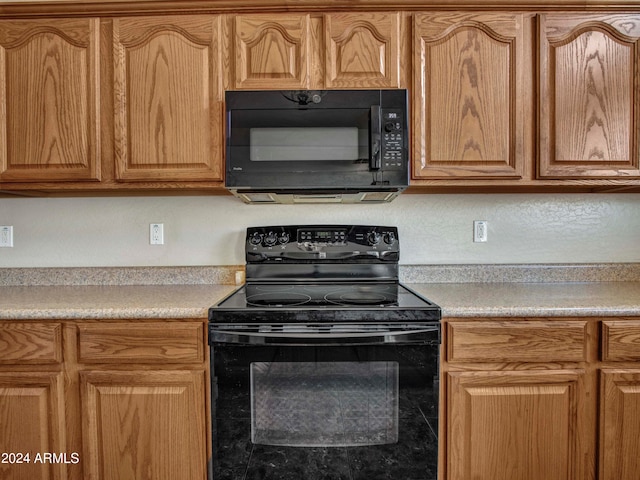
(589, 95)
(49, 100)
(362, 50)
(30, 343)
(168, 98)
(515, 425)
(469, 95)
(620, 340)
(144, 425)
(32, 420)
(517, 341)
(166, 343)
(620, 424)
(272, 51)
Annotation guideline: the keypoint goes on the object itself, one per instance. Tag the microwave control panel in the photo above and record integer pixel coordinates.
(393, 141)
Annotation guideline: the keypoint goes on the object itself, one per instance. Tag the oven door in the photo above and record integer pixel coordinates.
(356, 404)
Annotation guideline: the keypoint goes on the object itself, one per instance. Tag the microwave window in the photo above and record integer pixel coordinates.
(304, 143)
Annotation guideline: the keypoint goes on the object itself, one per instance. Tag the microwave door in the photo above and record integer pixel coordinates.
(375, 136)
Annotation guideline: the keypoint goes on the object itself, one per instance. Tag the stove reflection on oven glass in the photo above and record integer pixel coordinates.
(373, 417)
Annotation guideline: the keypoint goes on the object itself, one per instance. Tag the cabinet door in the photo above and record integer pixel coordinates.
(49, 83)
(168, 98)
(517, 426)
(362, 50)
(33, 422)
(470, 96)
(272, 51)
(144, 425)
(620, 425)
(589, 95)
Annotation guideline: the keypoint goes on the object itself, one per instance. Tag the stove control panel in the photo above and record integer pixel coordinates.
(330, 243)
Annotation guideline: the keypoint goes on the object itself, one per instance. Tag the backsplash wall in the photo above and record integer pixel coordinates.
(433, 229)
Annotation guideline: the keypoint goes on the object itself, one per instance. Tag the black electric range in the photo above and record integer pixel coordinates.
(323, 273)
(323, 364)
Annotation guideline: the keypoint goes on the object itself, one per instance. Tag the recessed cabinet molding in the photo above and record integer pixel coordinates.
(49, 100)
(272, 50)
(470, 97)
(363, 50)
(167, 98)
(619, 422)
(589, 95)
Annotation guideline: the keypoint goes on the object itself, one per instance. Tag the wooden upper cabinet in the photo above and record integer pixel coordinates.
(589, 95)
(470, 95)
(302, 51)
(168, 98)
(362, 50)
(271, 51)
(49, 100)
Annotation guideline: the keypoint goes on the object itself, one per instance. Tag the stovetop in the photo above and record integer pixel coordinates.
(289, 303)
(323, 273)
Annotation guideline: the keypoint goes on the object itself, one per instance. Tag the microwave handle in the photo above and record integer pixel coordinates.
(375, 128)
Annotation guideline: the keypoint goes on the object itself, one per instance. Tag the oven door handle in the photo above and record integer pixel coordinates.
(430, 335)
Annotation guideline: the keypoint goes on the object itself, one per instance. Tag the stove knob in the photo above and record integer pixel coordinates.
(271, 239)
(283, 238)
(373, 238)
(389, 238)
(255, 239)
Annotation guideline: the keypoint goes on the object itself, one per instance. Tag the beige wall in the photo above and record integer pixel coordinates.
(433, 229)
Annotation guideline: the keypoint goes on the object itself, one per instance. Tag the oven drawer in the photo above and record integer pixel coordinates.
(517, 341)
(143, 342)
(620, 340)
(30, 343)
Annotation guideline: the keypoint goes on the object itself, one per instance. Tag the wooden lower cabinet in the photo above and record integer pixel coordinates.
(620, 424)
(515, 425)
(520, 399)
(104, 400)
(144, 425)
(32, 424)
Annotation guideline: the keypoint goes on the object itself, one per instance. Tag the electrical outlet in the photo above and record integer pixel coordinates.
(156, 233)
(6, 236)
(480, 228)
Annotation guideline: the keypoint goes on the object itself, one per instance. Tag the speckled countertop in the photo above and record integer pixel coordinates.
(533, 299)
(109, 302)
(461, 291)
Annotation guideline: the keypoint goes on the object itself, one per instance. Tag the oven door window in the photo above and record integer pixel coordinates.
(324, 404)
(354, 412)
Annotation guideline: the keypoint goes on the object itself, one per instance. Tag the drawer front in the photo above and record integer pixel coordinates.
(142, 342)
(621, 340)
(517, 341)
(30, 343)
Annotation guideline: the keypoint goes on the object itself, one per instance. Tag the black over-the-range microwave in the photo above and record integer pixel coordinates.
(314, 146)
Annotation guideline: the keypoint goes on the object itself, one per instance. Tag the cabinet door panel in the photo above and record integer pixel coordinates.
(515, 341)
(49, 100)
(168, 99)
(272, 51)
(469, 105)
(32, 421)
(515, 425)
(620, 425)
(30, 343)
(363, 50)
(144, 425)
(589, 95)
(180, 342)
